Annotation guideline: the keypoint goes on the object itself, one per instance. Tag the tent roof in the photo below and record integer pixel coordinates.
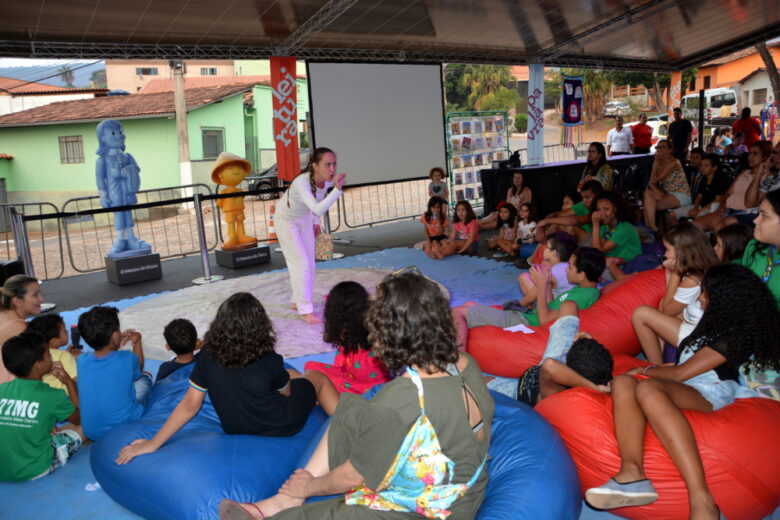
(630, 34)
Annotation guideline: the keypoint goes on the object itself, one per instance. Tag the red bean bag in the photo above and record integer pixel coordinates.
(738, 446)
(509, 354)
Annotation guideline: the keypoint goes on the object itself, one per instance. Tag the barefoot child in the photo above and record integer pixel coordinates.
(464, 237)
(436, 226)
(507, 222)
(438, 187)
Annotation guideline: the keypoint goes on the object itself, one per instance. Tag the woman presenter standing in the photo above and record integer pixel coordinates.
(296, 228)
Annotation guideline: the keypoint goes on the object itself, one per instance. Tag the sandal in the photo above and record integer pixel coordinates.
(232, 510)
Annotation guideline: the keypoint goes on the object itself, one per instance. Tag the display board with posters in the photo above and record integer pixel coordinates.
(474, 141)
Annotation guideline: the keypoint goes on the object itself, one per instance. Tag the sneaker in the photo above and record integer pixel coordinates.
(500, 254)
(614, 494)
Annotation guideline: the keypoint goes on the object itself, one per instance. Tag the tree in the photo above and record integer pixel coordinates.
(595, 85)
(66, 74)
(656, 82)
(455, 92)
(771, 69)
(506, 99)
(98, 78)
(484, 82)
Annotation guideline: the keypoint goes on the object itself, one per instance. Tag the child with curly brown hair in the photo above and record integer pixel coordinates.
(247, 383)
(356, 368)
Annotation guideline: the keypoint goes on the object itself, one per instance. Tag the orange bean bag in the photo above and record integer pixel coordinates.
(509, 354)
(738, 446)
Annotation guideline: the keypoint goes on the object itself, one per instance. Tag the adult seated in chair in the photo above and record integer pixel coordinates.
(668, 188)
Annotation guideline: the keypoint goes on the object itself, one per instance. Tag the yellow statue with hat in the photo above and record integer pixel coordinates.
(230, 170)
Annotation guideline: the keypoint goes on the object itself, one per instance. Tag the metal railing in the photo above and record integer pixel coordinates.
(556, 153)
(166, 218)
(378, 203)
(45, 244)
(169, 229)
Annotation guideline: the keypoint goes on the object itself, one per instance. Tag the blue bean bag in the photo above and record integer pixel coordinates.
(531, 473)
(197, 467)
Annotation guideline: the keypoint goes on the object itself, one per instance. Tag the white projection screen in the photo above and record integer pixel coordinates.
(384, 121)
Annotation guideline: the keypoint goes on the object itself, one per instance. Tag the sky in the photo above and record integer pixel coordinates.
(26, 62)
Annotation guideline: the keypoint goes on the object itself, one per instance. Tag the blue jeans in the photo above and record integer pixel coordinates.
(562, 334)
(143, 388)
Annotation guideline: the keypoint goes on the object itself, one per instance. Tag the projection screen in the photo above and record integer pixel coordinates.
(384, 121)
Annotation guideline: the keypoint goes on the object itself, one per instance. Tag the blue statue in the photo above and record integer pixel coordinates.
(118, 181)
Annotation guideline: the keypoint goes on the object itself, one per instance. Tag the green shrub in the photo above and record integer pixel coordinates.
(521, 122)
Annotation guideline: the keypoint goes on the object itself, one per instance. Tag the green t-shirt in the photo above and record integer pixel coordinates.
(580, 209)
(29, 409)
(626, 239)
(583, 296)
(756, 259)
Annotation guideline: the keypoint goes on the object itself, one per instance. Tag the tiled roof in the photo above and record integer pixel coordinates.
(20, 86)
(166, 84)
(736, 55)
(117, 107)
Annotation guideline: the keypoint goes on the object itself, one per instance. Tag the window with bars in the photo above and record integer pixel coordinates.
(71, 149)
(759, 96)
(208, 71)
(213, 141)
(146, 71)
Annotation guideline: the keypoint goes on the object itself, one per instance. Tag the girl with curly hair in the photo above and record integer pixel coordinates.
(356, 368)
(507, 230)
(688, 256)
(381, 453)
(703, 379)
(247, 383)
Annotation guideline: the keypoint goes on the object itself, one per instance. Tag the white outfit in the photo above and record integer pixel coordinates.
(526, 232)
(620, 141)
(295, 229)
(692, 312)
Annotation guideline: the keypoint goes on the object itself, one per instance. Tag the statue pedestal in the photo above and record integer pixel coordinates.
(133, 269)
(243, 257)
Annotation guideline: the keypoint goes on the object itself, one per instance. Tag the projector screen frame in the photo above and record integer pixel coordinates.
(312, 126)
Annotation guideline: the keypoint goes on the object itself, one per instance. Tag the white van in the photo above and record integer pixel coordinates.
(718, 102)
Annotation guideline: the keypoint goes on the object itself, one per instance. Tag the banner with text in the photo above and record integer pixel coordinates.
(535, 134)
(285, 105)
(572, 100)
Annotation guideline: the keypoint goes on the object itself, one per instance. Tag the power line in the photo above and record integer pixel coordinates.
(52, 76)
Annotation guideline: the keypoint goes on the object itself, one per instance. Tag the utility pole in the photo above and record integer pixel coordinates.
(185, 166)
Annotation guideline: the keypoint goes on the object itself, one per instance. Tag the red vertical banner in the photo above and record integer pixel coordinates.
(285, 105)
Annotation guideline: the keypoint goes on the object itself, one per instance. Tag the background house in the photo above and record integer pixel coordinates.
(756, 91)
(729, 71)
(17, 95)
(53, 146)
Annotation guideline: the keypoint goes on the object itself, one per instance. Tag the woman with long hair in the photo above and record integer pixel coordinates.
(20, 299)
(296, 228)
(418, 448)
(517, 195)
(668, 188)
(740, 323)
(597, 167)
(688, 256)
(761, 254)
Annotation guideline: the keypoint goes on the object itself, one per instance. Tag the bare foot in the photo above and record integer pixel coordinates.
(294, 307)
(277, 503)
(311, 319)
(230, 510)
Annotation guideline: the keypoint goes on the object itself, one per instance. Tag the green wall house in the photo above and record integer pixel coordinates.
(53, 146)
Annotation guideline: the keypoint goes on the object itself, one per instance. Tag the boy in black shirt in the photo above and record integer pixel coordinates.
(182, 339)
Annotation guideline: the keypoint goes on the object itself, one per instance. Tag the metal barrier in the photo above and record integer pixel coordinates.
(378, 203)
(45, 251)
(556, 153)
(171, 230)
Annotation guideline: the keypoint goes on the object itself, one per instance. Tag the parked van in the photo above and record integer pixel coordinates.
(718, 102)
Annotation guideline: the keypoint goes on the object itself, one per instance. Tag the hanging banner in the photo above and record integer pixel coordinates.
(285, 105)
(675, 93)
(536, 113)
(572, 101)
